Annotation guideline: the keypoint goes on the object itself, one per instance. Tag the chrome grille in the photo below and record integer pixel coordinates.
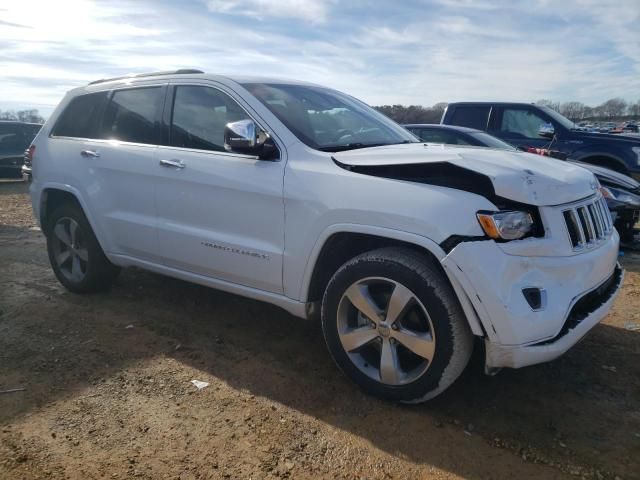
(588, 224)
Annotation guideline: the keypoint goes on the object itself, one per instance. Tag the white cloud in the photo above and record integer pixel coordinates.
(313, 11)
(397, 55)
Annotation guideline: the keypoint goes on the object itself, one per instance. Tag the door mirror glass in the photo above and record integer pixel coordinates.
(244, 136)
(546, 130)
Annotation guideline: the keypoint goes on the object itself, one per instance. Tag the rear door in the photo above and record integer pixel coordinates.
(108, 141)
(220, 214)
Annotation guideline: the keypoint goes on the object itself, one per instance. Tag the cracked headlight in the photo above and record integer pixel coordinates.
(507, 225)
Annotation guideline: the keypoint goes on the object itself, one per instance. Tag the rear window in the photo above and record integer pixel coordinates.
(79, 119)
(440, 135)
(470, 116)
(132, 114)
(15, 137)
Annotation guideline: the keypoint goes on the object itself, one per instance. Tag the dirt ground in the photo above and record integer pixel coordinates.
(107, 390)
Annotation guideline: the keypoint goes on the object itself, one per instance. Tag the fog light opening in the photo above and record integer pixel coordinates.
(535, 297)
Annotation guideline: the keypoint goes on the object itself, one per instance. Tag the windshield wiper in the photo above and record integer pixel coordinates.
(349, 146)
(356, 145)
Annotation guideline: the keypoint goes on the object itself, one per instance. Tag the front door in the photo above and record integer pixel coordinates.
(220, 214)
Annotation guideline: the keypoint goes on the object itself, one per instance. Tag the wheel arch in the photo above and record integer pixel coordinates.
(604, 159)
(340, 243)
(53, 195)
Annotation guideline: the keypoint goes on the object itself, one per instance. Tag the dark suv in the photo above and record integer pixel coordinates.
(525, 125)
(15, 137)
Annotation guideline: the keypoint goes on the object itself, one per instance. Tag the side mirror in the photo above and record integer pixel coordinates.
(546, 130)
(244, 136)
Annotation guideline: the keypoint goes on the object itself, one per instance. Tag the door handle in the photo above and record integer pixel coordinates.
(172, 163)
(90, 153)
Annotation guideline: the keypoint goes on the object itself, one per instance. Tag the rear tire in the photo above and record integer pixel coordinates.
(75, 254)
(407, 339)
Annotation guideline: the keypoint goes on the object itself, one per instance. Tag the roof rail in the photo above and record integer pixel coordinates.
(181, 71)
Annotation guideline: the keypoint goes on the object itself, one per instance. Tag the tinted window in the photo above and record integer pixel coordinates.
(470, 116)
(12, 139)
(199, 117)
(440, 135)
(131, 115)
(522, 123)
(80, 117)
(328, 120)
(490, 141)
(16, 137)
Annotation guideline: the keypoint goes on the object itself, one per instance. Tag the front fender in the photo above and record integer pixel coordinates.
(412, 238)
(616, 155)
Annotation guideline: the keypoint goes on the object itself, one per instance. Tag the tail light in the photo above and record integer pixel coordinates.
(28, 155)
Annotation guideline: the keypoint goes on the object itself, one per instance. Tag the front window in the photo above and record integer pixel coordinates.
(561, 119)
(523, 123)
(199, 117)
(328, 120)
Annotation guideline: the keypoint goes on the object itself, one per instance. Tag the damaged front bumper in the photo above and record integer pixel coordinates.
(576, 292)
(585, 314)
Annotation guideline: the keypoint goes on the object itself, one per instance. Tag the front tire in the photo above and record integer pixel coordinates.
(75, 254)
(394, 326)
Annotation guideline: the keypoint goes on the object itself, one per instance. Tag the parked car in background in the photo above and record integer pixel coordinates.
(525, 125)
(306, 198)
(15, 137)
(621, 191)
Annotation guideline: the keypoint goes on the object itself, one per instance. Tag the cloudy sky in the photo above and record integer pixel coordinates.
(410, 52)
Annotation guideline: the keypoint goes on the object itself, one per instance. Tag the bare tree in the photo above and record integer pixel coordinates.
(31, 115)
(615, 107)
(573, 110)
(413, 113)
(8, 115)
(549, 103)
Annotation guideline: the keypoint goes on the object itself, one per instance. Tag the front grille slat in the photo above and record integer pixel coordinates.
(595, 219)
(605, 214)
(588, 224)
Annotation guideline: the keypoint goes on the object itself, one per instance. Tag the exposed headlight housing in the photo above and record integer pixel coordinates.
(623, 196)
(506, 225)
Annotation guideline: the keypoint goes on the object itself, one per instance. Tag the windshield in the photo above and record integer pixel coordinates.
(328, 120)
(492, 142)
(561, 119)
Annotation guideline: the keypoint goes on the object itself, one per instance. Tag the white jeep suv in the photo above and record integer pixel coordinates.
(307, 198)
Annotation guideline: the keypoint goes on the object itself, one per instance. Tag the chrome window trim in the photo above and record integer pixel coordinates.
(180, 82)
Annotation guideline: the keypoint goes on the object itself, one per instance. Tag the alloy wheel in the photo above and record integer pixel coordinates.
(386, 331)
(70, 249)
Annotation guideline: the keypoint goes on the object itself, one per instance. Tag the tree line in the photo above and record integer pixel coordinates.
(613, 109)
(30, 115)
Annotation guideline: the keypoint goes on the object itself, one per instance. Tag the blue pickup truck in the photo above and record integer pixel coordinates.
(533, 126)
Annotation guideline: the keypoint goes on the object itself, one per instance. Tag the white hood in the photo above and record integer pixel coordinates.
(518, 176)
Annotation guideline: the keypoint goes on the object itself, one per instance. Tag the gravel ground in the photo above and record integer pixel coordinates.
(107, 390)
